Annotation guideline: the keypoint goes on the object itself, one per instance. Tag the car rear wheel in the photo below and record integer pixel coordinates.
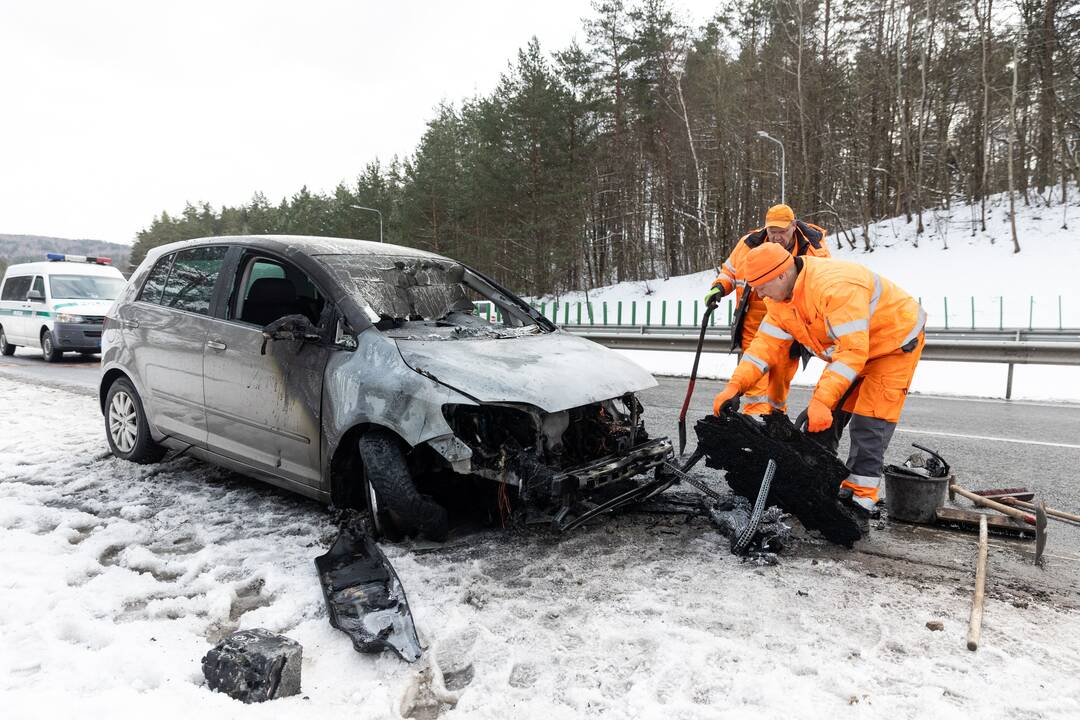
(126, 428)
(5, 347)
(49, 351)
(398, 510)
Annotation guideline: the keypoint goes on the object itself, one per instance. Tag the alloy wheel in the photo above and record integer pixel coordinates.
(123, 423)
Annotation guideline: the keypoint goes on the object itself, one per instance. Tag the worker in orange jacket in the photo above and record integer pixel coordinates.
(769, 393)
(867, 329)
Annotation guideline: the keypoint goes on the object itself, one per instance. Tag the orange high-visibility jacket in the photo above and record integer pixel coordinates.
(809, 240)
(843, 313)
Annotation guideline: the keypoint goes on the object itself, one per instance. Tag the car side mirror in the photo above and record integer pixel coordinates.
(35, 296)
(290, 327)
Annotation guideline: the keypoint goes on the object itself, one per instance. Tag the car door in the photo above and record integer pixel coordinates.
(166, 330)
(15, 308)
(264, 397)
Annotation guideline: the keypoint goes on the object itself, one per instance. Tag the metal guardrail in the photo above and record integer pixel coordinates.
(1010, 347)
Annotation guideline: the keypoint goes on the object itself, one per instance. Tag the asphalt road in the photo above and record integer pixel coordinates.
(988, 443)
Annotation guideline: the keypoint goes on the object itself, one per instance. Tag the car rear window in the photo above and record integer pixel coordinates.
(191, 281)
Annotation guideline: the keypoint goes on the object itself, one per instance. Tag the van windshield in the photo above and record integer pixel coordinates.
(84, 287)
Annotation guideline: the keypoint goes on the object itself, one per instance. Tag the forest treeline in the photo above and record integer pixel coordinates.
(638, 153)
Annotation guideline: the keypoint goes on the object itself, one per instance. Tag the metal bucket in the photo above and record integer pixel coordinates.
(913, 498)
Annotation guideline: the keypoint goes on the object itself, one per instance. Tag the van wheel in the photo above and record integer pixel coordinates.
(5, 347)
(398, 510)
(126, 428)
(49, 352)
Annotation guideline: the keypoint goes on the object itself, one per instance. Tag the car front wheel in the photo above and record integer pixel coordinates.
(397, 508)
(126, 428)
(5, 347)
(49, 352)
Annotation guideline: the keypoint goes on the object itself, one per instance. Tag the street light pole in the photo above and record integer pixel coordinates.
(767, 136)
(361, 207)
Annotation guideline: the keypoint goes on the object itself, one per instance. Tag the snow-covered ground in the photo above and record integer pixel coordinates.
(115, 579)
(1037, 287)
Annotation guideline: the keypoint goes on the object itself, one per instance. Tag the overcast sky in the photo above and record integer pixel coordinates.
(111, 112)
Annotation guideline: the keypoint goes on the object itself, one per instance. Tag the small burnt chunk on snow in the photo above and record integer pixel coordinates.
(254, 666)
(807, 479)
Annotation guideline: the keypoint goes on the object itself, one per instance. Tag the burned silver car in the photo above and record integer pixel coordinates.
(369, 376)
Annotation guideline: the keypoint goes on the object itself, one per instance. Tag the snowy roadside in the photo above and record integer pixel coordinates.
(115, 579)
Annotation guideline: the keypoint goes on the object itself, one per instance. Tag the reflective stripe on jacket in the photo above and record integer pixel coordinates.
(809, 240)
(843, 313)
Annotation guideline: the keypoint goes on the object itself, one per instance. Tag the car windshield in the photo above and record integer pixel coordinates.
(84, 287)
(410, 294)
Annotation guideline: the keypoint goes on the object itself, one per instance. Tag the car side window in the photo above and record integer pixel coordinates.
(39, 286)
(270, 289)
(16, 288)
(155, 280)
(191, 281)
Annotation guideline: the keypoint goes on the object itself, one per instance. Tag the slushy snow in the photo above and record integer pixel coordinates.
(115, 579)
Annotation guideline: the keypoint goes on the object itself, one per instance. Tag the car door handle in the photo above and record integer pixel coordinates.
(215, 345)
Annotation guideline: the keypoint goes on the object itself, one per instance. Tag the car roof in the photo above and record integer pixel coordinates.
(57, 267)
(290, 245)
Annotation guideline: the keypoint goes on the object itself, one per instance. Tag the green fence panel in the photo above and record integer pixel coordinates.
(633, 312)
(604, 306)
(1031, 311)
(648, 312)
(678, 313)
(588, 308)
(566, 314)
(695, 313)
(579, 313)
(663, 312)
(946, 313)
(618, 312)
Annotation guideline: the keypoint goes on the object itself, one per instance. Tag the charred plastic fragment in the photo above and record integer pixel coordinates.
(769, 537)
(254, 666)
(365, 598)
(807, 478)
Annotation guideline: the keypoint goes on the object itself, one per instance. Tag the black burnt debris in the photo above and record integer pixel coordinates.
(254, 666)
(807, 477)
(364, 597)
(769, 537)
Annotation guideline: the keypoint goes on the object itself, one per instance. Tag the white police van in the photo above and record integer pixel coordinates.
(58, 305)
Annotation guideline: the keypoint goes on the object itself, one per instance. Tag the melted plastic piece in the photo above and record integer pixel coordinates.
(365, 597)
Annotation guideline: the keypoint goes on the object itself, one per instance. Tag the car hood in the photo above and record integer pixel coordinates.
(82, 307)
(553, 371)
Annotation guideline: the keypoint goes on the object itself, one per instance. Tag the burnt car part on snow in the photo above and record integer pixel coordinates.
(364, 597)
(305, 344)
(808, 475)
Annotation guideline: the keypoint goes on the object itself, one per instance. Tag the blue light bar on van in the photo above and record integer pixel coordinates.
(60, 257)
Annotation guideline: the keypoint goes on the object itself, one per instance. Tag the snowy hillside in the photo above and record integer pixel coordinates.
(982, 267)
(978, 279)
